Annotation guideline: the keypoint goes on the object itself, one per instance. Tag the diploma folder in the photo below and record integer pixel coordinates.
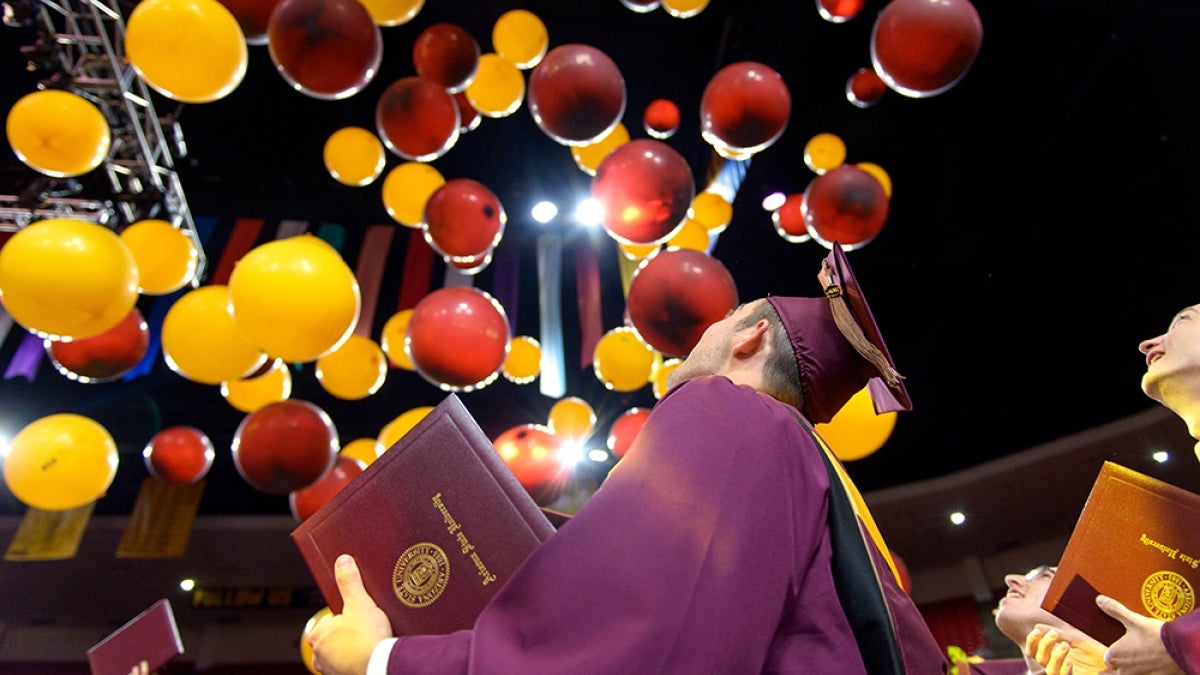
(437, 524)
(151, 636)
(1136, 541)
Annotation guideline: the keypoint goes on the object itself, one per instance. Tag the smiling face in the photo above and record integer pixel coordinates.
(1021, 607)
(1173, 358)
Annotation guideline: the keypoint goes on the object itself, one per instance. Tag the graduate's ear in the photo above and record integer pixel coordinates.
(750, 341)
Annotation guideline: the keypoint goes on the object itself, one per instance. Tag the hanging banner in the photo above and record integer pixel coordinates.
(241, 240)
(549, 265)
(161, 522)
(587, 286)
(49, 535)
(506, 282)
(418, 270)
(29, 356)
(368, 269)
(291, 228)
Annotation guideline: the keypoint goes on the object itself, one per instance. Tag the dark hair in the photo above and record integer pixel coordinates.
(781, 375)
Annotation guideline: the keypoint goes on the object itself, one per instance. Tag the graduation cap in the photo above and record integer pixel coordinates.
(838, 346)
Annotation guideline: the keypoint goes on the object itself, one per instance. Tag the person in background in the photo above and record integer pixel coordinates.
(727, 540)
(1149, 646)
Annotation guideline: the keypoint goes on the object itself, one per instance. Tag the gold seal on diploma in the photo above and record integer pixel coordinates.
(1167, 595)
(421, 575)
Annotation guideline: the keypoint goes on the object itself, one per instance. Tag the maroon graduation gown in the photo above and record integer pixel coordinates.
(706, 550)
(1181, 637)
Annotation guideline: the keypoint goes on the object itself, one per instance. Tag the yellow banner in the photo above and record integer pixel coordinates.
(161, 522)
(49, 535)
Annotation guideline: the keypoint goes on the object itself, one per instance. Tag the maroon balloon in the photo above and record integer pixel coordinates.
(661, 118)
(457, 338)
(625, 429)
(417, 119)
(253, 16)
(327, 49)
(576, 94)
(744, 108)
(788, 219)
(104, 357)
(535, 456)
(923, 48)
(285, 446)
(865, 88)
(179, 455)
(839, 11)
(468, 117)
(676, 295)
(645, 188)
(305, 501)
(846, 205)
(463, 220)
(447, 55)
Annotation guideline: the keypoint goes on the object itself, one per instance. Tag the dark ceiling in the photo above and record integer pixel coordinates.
(1044, 217)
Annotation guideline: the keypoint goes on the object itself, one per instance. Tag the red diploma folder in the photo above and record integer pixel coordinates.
(1136, 541)
(151, 636)
(437, 524)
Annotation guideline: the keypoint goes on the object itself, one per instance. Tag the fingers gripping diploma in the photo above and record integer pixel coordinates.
(1140, 651)
(342, 643)
(1065, 651)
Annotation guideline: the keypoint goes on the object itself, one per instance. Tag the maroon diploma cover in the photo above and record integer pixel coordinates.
(437, 524)
(151, 636)
(1136, 541)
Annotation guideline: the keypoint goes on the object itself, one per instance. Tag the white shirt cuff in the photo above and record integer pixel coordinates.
(379, 657)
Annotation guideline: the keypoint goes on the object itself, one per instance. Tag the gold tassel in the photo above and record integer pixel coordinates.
(853, 333)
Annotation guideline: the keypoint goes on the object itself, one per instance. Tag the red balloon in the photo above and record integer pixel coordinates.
(789, 219)
(645, 188)
(661, 118)
(305, 501)
(472, 265)
(463, 220)
(923, 48)
(839, 11)
(468, 116)
(743, 109)
(104, 357)
(447, 55)
(677, 294)
(285, 446)
(535, 456)
(576, 94)
(865, 88)
(457, 338)
(253, 16)
(179, 455)
(625, 429)
(846, 205)
(326, 49)
(417, 119)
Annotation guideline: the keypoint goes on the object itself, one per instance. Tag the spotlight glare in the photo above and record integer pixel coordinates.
(598, 455)
(958, 518)
(572, 453)
(187, 585)
(544, 211)
(1161, 456)
(773, 201)
(589, 212)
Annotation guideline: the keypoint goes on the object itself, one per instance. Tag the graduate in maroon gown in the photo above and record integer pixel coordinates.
(727, 540)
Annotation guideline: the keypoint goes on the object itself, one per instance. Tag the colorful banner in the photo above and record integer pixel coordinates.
(418, 270)
(49, 535)
(587, 287)
(28, 357)
(161, 522)
(241, 240)
(368, 269)
(549, 265)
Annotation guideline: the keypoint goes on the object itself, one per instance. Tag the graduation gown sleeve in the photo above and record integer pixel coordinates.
(1181, 637)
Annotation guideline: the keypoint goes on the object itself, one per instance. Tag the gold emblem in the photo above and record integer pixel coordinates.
(421, 575)
(1167, 595)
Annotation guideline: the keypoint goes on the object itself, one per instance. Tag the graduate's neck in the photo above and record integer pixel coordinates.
(1184, 400)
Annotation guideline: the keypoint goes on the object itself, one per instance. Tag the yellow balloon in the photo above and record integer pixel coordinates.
(622, 361)
(498, 87)
(856, 431)
(520, 37)
(404, 422)
(251, 393)
(407, 188)
(58, 133)
(365, 450)
(201, 342)
(824, 152)
(392, 339)
(60, 462)
(193, 51)
(693, 235)
(658, 381)
(588, 157)
(354, 156)
(67, 278)
(306, 652)
(684, 9)
(166, 256)
(572, 419)
(712, 210)
(393, 12)
(295, 298)
(880, 175)
(524, 360)
(354, 370)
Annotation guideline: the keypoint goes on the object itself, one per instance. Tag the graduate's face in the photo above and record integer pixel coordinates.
(1174, 356)
(711, 353)
(1021, 606)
